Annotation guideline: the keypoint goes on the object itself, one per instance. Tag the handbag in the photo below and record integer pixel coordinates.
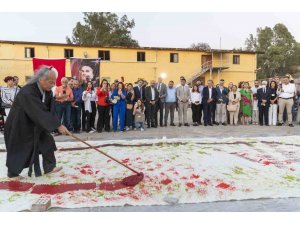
(232, 108)
(139, 118)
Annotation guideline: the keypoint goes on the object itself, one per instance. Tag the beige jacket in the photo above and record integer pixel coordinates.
(231, 97)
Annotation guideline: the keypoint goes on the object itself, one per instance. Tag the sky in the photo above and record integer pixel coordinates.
(153, 29)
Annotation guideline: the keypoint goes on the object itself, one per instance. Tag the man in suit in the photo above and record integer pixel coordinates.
(139, 91)
(263, 97)
(183, 95)
(209, 96)
(162, 90)
(151, 96)
(222, 101)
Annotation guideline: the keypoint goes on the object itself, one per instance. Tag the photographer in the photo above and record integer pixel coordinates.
(103, 107)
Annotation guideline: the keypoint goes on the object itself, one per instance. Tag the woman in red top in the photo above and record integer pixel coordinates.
(103, 107)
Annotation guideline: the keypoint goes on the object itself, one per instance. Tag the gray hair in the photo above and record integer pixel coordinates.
(264, 82)
(42, 74)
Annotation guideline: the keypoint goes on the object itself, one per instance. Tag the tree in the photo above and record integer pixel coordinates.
(200, 46)
(278, 47)
(105, 29)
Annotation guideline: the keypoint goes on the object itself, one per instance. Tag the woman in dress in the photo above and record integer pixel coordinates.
(246, 103)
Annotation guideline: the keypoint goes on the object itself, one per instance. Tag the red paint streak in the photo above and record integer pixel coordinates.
(15, 186)
(195, 176)
(61, 188)
(190, 185)
(267, 163)
(183, 178)
(166, 181)
(204, 182)
(138, 158)
(111, 186)
(162, 173)
(108, 161)
(176, 173)
(292, 169)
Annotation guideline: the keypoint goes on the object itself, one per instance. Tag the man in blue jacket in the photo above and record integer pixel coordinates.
(222, 101)
(76, 107)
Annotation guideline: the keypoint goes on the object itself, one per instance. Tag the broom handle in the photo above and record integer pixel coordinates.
(103, 153)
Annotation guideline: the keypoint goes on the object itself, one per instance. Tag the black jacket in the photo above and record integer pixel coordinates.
(137, 94)
(261, 95)
(148, 94)
(27, 128)
(205, 95)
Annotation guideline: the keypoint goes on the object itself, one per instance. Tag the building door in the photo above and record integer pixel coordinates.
(206, 61)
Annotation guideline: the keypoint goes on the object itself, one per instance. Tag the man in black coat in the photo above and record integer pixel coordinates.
(209, 97)
(263, 98)
(28, 126)
(152, 96)
(139, 91)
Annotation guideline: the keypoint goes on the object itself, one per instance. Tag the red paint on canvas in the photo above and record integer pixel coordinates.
(61, 188)
(166, 181)
(15, 186)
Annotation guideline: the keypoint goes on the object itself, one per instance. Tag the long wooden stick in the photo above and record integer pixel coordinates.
(103, 153)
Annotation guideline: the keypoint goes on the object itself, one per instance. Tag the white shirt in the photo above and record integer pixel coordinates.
(153, 94)
(288, 91)
(210, 92)
(254, 89)
(196, 97)
(87, 98)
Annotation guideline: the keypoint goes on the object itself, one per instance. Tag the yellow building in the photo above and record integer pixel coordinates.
(133, 63)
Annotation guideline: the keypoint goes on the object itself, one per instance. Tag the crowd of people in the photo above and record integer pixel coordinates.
(81, 107)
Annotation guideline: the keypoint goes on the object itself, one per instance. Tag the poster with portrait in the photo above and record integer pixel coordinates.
(86, 70)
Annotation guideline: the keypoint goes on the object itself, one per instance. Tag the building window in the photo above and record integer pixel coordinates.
(69, 53)
(29, 52)
(141, 56)
(104, 55)
(174, 57)
(236, 59)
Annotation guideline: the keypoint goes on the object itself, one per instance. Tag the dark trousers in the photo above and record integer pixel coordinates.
(83, 121)
(76, 118)
(87, 119)
(195, 113)
(208, 109)
(151, 114)
(93, 115)
(213, 111)
(169, 108)
(263, 115)
(200, 112)
(129, 118)
(103, 118)
(160, 107)
(63, 112)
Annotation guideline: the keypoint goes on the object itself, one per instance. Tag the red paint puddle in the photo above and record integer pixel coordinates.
(225, 186)
(15, 186)
(111, 186)
(61, 188)
(190, 185)
(166, 181)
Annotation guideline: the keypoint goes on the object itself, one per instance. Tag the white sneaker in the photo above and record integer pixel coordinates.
(134, 128)
(127, 129)
(142, 129)
(92, 131)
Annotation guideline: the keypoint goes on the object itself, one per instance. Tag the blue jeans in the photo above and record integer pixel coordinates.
(76, 118)
(63, 112)
(139, 125)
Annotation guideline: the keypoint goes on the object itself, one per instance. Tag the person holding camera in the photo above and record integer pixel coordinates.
(63, 98)
(103, 107)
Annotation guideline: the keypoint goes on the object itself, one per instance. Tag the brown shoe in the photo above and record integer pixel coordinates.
(55, 170)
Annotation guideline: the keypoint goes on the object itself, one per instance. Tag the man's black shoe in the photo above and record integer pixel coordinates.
(186, 124)
(179, 125)
(291, 125)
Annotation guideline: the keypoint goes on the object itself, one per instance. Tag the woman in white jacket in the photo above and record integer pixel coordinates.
(87, 96)
(195, 105)
(234, 103)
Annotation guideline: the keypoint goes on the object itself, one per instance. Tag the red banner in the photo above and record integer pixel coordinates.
(59, 64)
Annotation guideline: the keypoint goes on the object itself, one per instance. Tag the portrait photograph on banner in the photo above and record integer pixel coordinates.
(86, 70)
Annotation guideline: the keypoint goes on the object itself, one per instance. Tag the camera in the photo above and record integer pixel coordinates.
(106, 100)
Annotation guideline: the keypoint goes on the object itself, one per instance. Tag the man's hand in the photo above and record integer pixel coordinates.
(63, 130)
